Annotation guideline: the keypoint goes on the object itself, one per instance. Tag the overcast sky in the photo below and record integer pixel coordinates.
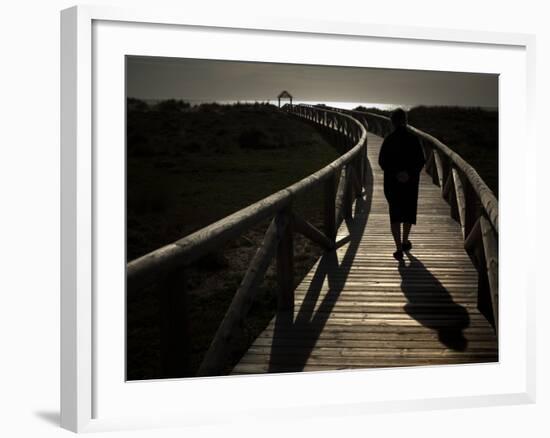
(208, 80)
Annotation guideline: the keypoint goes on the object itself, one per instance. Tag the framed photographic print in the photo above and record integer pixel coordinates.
(257, 209)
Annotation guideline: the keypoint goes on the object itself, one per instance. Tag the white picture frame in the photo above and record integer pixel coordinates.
(86, 370)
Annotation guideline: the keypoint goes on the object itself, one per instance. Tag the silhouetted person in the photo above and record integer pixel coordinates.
(401, 158)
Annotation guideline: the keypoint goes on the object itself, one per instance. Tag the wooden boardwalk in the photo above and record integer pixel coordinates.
(358, 307)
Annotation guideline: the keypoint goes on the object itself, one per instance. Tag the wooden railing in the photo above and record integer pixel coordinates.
(342, 180)
(472, 204)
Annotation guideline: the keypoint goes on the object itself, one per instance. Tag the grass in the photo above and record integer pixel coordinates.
(188, 167)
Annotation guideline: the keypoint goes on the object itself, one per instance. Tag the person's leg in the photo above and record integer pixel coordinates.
(395, 225)
(396, 233)
(406, 231)
(407, 246)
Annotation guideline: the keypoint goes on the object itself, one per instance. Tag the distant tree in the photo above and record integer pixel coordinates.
(136, 104)
(373, 110)
(172, 105)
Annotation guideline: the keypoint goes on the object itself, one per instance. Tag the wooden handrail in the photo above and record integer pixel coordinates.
(350, 136)
(472, 203)
(485, 195)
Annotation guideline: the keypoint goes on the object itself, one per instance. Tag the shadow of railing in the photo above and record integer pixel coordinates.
(431, 304)
(308, 323)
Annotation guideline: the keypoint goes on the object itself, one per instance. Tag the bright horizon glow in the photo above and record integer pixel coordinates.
(203, 80)
(343, 105)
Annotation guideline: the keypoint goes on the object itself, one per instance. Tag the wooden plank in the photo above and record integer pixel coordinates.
(404, 340)
(261, 368)
(334, 331)
(334, 353)
(368, 362)
(391, 343)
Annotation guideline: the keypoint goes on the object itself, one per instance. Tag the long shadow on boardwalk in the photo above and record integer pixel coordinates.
(432, 305)
(307, 321)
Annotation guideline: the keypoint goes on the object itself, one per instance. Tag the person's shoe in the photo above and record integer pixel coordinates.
(407, 246)
(398, 255)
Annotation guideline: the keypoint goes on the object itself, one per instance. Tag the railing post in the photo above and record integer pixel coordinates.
(358, 175)
(474, 246)
(365, 161)
(429, 166)
(337, 135)
(460, 201)
(490, 250)
(285, 266)
(175, 343)
(484, 301)
(451, 198)
(439, 179)
(471, 207)
(342, 137)
(330, 206)
(449, 191)
(347, 139)
(348, 191)
(446, 168)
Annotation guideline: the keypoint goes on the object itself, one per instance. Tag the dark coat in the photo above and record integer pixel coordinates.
(401, 151)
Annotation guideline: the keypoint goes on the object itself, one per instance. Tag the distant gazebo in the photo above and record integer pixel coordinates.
(285, 95)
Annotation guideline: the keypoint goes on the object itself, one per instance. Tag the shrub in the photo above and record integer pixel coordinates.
(137, 105)
(255, 139)
(172, 105)
(213, 261)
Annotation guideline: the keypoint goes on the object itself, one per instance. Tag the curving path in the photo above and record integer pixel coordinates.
(358, 307)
